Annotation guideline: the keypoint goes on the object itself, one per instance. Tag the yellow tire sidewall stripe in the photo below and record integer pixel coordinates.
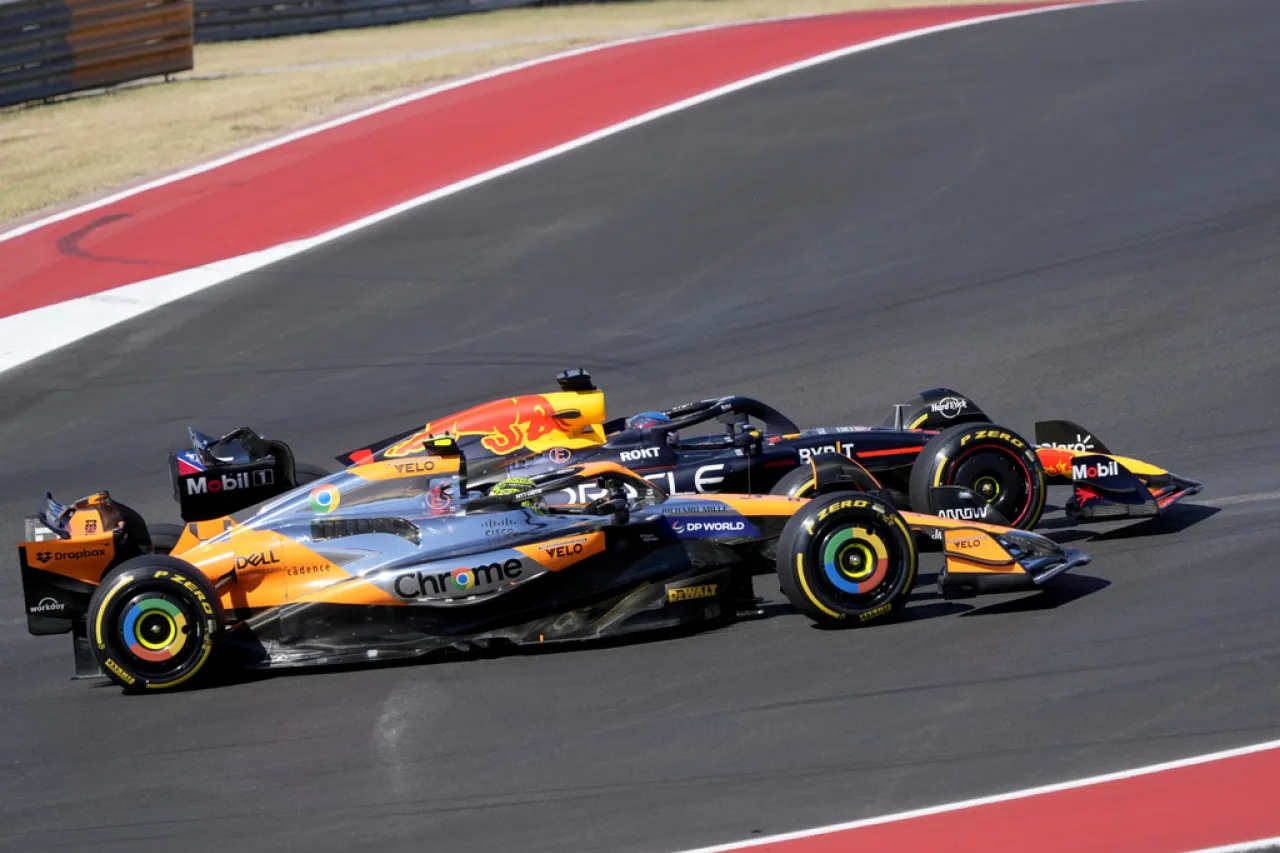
(207, 643)
(808, 593)
(102, 608)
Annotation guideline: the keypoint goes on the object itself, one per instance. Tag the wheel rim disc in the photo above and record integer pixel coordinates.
(855, 560)
(987, 488)
(156, 629)
(997, 476)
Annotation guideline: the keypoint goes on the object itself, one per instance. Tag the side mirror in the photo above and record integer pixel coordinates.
(617, 502)
(749, 440)
(621, 512)
(576, 379)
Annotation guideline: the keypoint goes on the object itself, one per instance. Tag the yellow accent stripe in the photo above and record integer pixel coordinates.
(937, 477)
(1138, 467)
(208, 648)
(916, 423)
(804, 584)
(1044, 492)
(913, 561)
(97, 624)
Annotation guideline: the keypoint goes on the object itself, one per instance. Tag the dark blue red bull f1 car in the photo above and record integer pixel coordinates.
(940, 438)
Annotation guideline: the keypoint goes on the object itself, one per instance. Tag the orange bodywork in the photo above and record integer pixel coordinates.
(974, 551)
(761, 505)
(399, 468)
(270, 568)
(266, 568)
(82, 558)
(558, 554)
(256, 569)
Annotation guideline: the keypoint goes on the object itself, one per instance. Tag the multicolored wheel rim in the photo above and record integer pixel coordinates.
(855, 560)
(156, 629)
(998, 476)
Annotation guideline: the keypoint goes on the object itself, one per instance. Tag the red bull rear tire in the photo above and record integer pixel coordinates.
(797, 484)
(304, 473)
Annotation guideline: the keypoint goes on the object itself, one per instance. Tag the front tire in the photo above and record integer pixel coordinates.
(153, 623)
(995, 463)
(847, 559)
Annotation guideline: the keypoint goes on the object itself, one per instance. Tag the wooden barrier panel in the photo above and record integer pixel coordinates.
(54, 47)
(226, 20)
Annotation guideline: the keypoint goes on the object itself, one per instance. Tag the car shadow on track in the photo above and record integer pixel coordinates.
(1176, 520)
(1063, 590)
(916, 612)
(925, 603)
(229, 675)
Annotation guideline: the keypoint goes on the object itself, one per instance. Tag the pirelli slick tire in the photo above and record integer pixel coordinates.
(842, 474)
(164, 538)
(153, 623)
(995, 463)
(847, 559)
(797, 484)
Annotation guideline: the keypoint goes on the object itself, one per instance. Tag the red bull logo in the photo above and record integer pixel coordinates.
(1085, 494)
(507, 426)
(1057, 463)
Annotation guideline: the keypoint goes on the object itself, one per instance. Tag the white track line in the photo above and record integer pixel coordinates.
(41, 330)
(999, 798)
(1241, 499)
(496, 72)
(33, 333)
(1260, 844)
(241, 154)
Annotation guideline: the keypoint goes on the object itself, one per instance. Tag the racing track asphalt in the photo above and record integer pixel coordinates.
(1072, 214)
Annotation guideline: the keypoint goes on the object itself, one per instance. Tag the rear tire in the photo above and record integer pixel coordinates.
(153, 623)
(802, 482)
(304, 473)
(164, 538)
(798, 484)
(995, 463)
(847, 559)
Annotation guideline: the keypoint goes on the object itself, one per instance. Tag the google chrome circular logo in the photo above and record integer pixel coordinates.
(325, 498)
(155, 629)
(464, 578)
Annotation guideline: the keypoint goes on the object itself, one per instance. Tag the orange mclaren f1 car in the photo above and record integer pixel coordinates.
(396, 557)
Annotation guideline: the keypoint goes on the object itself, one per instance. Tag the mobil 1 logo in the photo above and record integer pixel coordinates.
(1095, 468)
(212, 483)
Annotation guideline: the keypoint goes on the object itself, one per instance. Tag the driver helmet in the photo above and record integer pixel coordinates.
(516, 485)
(647, 419)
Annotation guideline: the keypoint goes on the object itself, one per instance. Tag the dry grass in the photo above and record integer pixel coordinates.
(53, 154)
